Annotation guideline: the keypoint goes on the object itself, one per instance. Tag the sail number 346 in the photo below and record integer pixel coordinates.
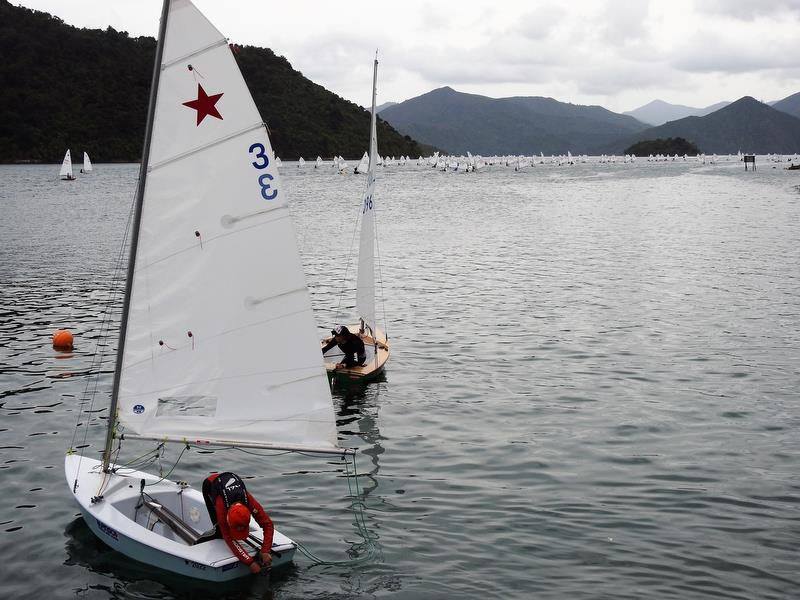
(262, 162)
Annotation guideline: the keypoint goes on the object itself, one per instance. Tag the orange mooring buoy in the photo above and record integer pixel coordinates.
(62, 340)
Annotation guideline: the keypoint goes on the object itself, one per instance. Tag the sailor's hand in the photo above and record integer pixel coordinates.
(266, 559)
(340, 365)
(255, 568)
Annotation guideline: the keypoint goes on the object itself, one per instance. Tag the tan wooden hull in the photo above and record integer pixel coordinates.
(369, 370)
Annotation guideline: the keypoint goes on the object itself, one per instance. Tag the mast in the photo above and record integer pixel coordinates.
(137, 218)
(373, 137)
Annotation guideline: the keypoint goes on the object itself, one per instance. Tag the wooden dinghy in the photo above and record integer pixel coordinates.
(376, 348)
(376, 342)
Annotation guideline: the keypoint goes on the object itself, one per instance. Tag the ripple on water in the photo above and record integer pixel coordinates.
(592, 391)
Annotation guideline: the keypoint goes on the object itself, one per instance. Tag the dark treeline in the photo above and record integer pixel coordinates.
(670, 146)
(87, 90)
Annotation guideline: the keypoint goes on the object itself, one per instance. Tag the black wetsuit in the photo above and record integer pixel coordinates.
(353, 349)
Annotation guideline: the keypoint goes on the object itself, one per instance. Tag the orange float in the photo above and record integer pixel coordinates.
(62, 340)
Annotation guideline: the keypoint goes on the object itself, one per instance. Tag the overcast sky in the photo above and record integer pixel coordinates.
(619, 54)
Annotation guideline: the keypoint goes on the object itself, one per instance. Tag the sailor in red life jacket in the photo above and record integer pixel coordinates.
(230, 506)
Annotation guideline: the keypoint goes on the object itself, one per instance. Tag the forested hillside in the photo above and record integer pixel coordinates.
(87, 90)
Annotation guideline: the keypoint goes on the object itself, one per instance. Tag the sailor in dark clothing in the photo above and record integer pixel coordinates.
(349, 343)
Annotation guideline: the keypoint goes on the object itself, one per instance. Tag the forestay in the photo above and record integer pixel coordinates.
(220, 343)
(365, 285)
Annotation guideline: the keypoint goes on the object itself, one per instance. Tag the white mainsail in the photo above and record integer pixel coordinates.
(220, 343)
(363, 165)
(66, 167)
(365, 285)
(87, 164)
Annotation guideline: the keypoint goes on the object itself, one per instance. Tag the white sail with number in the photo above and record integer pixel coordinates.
(365, 284)
(220, 342)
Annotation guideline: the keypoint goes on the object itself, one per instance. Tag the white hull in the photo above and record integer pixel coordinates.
(141, 535)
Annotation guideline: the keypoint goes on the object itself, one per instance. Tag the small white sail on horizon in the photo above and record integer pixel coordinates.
(363, 165)
(66, 168)
(87, 164)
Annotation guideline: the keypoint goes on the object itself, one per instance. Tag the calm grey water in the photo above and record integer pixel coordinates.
(593, 391)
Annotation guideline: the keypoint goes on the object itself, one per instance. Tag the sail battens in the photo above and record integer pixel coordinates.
(227, 221)
(195, 53)
(171, 159)
(204, 383)
(236, 444)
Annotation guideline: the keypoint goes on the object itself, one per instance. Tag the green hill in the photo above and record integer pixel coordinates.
(462, 122)
(87, 89)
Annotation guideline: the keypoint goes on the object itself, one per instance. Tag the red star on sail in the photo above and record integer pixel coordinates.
(204, 105)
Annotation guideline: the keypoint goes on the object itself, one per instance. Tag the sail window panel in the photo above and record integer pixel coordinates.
(290, 415)
(312, 431)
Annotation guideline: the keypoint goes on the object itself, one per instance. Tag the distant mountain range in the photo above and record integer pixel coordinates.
(384, 106)
(87, 89)
(460, 122)
(789, 105)
(659, 112)
(50, 101)
(747, 125)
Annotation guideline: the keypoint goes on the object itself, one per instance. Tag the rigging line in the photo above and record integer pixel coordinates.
(142, 459)
(185, 448)
(358, 509)
(359, 512)
(99, 355)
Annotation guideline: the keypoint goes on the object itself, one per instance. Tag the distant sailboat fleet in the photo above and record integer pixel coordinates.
(470, 163)
(66, 174)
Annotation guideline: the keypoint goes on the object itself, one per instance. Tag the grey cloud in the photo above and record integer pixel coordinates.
(712, 53)
(625, 22)
(747, 10)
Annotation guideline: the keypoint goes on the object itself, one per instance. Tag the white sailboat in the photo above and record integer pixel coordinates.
(87, 164)
(375, 341)
(301, 163)
(66, 168)
(363, 165)
(319, 162)
(213, 272)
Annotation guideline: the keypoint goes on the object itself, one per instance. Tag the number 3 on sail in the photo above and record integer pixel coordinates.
(266, 192)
